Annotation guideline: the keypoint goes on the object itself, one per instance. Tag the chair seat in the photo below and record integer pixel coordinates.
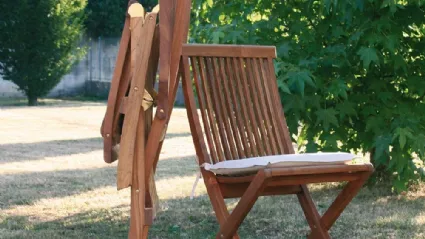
(252, 165)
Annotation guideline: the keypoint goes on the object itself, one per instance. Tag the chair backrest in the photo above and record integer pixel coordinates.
(238, 98)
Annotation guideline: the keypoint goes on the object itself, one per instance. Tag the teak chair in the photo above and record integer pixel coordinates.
(132, 133)
(242, 117)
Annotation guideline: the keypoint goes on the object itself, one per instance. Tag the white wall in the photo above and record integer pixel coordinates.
(91, 76)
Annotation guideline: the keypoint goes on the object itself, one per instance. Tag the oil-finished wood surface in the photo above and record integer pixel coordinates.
(127, 127)
(107, 131)
(241, 116)
(142, 32)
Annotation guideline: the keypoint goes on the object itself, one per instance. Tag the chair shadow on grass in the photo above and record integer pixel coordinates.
(27, 188)
(271, 217)
(55, 148)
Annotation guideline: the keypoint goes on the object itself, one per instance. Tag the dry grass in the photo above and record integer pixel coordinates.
(54, 184)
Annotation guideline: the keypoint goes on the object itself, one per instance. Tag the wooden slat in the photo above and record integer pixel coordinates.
(152, 200)
(275, 134)
(283, 127)
(209, 109)
(251, 149)
(122, 91)
(238, 112)
(258, 107)
(211, 50)
(140, 59)
(251, 113)
(270, 141)
(212, 80)
(231, 107)
(121, 67)
(224, 114)
(192, 114)
(202, 105)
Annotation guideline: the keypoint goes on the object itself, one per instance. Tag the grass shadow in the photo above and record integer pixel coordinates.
(27, 188)
(33, 151)
(176, 167)
(271, 217)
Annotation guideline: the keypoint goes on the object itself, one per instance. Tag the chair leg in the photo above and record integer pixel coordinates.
(138, 229)
(245, 204)
(218, 203)
(341, 202)
(311, 214)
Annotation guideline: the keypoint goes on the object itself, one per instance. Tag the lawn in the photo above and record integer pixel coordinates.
(54, 184)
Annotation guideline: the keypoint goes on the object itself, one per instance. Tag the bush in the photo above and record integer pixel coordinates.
(350, 73)
(39, 43)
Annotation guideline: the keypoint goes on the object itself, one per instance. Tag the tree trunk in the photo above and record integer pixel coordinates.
(32, 100)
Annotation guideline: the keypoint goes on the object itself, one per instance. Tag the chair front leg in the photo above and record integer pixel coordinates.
(244, 205)
(218, 203)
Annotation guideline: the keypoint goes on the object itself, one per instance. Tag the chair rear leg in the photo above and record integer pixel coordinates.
(311, 214)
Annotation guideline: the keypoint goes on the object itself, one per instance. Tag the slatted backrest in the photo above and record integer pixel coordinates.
(238, 100)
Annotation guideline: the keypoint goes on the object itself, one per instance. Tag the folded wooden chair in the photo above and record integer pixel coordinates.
(132, 134)
(242, 120)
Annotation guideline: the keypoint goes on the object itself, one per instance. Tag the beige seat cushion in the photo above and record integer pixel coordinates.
(251, 165)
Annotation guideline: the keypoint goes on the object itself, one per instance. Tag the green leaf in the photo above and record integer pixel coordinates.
(338, 88)
(299, 78)
(374, 124)
(283, 87)
(360, 4)
(210, 3)
(216, 36)
(392, 4)
(400, 185)
(326, 117)
(311, 147)
(403, 134)
(399, 63)
(382, 145)
(283, 50)
(368, 55)
(346, 108)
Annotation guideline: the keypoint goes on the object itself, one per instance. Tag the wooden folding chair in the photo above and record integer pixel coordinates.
(131, 132)
(241, 118)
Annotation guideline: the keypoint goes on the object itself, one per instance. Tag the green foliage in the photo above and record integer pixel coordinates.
(106, 17)
(350, 72)
(39, 42)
